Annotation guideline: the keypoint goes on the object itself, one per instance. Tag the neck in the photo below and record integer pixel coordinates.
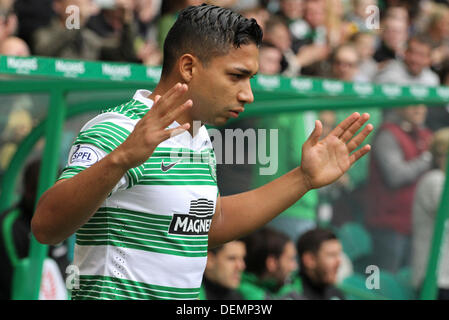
(164, 86)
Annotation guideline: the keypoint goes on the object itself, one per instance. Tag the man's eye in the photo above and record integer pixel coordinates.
(237, 76)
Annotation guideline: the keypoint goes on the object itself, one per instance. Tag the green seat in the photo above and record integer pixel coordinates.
(354, 288)
(356, 241)
(391, 287)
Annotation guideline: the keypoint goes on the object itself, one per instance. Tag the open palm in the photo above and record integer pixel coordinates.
(324, 161)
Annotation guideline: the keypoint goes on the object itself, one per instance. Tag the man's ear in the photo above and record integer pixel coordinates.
(210, 260)
(271, 264)
(309, 260)
(187, 64)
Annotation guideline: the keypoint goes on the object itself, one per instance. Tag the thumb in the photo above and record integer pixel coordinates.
(316, 133)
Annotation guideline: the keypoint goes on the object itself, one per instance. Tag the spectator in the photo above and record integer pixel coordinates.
(8, 20)
(414, 69)
(393, 40)
(18, 126)
(19, 118)
(270, 59)
(425, 207)
(224, 268)
(270, 261)
(292, 11)
(57, 40)
(438, 33)
(438, 116)
(319, 253)
(13, 46)
(400, 156)
(359, 14)
(338, 29)
(146, 13)
(32, 15)
(314, 48)
(116, 21)
(364, 42)
(345, 63)
(277, 33)
(15, 232)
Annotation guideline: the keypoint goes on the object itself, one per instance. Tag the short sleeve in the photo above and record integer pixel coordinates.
(97, 139)
(83, 156)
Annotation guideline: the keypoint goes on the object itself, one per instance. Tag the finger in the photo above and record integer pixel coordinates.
(169, 133)
(344, 125)
(175, 113)
(173, 99)
(352, 130)
(359, 153)
(166, 95)
(316, 133)
(358, 139)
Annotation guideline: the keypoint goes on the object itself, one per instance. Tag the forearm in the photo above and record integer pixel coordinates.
(246, 212)
(70, 203)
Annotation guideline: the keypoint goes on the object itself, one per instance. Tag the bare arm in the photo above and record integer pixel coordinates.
(322, 163)
(70, 203)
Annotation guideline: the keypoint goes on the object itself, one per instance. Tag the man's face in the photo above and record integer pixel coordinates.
(327, 261)
(280, 37)
(365, 45)
(345, 65)
(226, 267)
(395, 34)
(221, 88)
(270, 61)
(415, 115)
(293, 9)
(287, 263)
(417, 57)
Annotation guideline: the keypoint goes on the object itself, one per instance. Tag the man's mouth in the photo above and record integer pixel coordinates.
(235, 113)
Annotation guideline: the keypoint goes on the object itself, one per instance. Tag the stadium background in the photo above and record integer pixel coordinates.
(47, 100)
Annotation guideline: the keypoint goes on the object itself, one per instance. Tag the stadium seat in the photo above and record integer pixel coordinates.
(356, 240)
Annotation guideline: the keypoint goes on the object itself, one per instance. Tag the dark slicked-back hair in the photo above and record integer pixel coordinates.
(207, 31)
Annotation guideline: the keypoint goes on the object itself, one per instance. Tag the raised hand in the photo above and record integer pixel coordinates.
(324, 161)
(151, 130)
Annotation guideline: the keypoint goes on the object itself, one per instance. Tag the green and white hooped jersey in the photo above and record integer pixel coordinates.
(149, 238)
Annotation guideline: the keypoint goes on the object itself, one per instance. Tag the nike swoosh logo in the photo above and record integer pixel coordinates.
(165, 168)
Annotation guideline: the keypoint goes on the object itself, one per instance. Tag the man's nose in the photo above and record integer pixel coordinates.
(245, 95)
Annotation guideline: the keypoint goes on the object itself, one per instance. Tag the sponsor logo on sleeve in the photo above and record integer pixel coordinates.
(84, 156)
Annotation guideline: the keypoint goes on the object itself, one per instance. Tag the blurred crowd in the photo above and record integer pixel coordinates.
(382, 211)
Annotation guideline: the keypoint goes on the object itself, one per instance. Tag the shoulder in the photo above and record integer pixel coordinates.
(392, 72)
(125, 116)
(430, 77)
